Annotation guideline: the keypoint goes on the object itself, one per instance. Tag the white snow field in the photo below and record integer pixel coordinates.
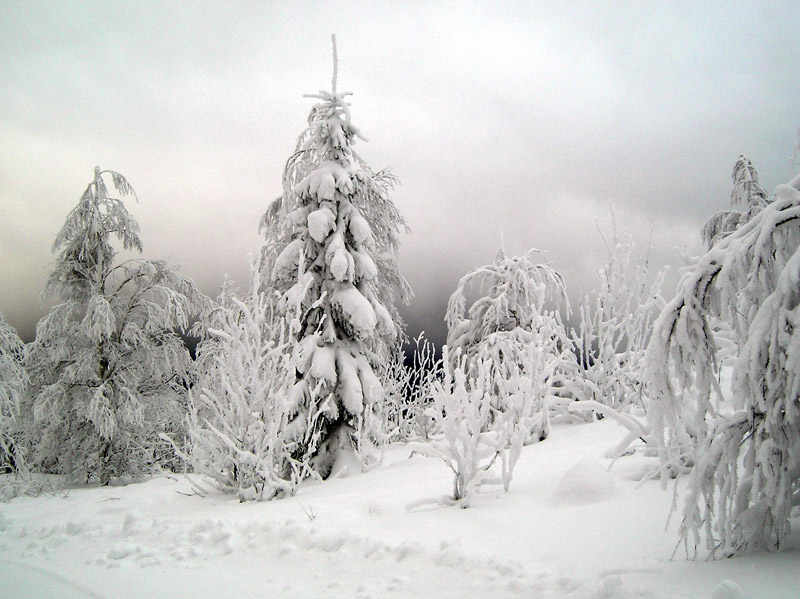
(569, 527)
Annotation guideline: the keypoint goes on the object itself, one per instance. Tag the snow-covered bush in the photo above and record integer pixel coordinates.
(521, 387)
(334, 233)
(503, 365)
(237, 429)
(743, 451)
(108, 373)
(746, 193)
(460, 410)
(16, 476)
(13, 385)
(511, 314)
(408, 388)
(615, 325)
(471, 433)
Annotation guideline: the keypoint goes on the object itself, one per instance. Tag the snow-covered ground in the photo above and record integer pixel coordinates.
(568, 527)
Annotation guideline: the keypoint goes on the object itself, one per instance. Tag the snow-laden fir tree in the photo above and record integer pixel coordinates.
(334, 232)
(744, 450)
(237, 433)
(108, 372)
(517, 308)
(13, 385)
(615, 324)
(746, 193)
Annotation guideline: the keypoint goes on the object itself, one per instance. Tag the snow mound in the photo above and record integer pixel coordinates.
(133, 523)
(586, 481)
(728, 589)
(4, 522)
(347, 463)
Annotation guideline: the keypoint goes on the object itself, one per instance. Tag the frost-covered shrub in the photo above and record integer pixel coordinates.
(615, 325)
(744, 450)
(460, 410)
(13, 385)
(408, 389)
(237, 422)
(333, 234)
(512, 312)
(471, 434)
(108, 373)
(517, 368)
(503, 366)
(16, 476)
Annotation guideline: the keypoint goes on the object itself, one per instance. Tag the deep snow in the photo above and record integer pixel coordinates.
(568, 527)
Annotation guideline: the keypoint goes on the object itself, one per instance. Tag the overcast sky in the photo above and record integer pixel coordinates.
(527, 118)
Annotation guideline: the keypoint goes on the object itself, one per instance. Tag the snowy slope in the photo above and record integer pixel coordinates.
(568, 527)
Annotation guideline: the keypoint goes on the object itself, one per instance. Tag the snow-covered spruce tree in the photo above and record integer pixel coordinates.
(615, 325)
(108, 373)
(495, 333)
(744, 454)
(334, 232)
(746, 193)
(13, 385)
(237, 413)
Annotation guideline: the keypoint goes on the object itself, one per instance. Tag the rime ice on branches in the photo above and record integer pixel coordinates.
(514, 335)
(747, 193)
(744, 450)
(236, 426)
(13, 385)
(108, 373)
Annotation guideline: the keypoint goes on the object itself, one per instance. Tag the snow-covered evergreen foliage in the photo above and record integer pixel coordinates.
(334, 235)
(13, 385)
(107, 370)
(495, 333)
(237, 432)
(615, 324)
(743, 451)
(746, 193)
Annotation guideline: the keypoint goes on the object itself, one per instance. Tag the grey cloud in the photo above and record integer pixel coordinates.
(523, 119)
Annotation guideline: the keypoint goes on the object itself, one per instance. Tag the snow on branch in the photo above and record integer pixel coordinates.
(615, 324)
(746, 193)
(742, 449)
(108, 371)
(331, 243)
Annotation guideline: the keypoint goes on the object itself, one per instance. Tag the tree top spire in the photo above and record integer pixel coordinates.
(335, 64)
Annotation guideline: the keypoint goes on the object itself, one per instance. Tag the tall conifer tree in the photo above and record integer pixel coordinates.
(333, 233)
